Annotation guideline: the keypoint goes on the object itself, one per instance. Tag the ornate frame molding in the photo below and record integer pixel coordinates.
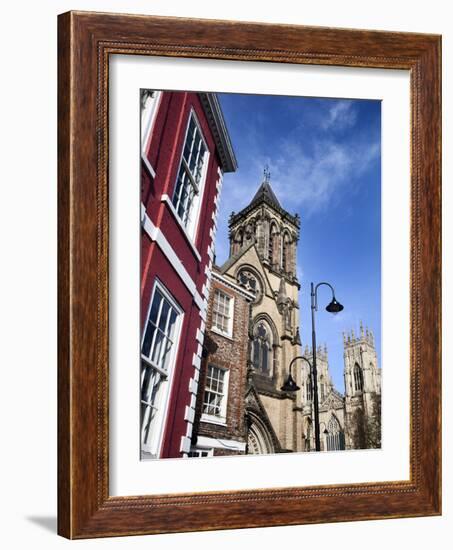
(86, 40)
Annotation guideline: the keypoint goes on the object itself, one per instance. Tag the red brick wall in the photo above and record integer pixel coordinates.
(232, 355)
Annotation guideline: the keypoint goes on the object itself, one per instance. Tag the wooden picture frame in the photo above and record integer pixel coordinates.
(86, 40)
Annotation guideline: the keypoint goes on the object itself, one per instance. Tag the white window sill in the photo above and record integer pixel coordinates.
(224, 334)
(166, 199)
(209, 419)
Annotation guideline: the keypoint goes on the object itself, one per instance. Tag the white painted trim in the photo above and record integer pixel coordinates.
(198, 301)
(196, 361)
(166, 199)
(185, 444)
(189, 430)
(232, 285)
(155, 234)
(205, 291)
(223, 334)
(203, 314)
(210, 253)
(200, 336)
(148, 165)
(231, 444)
(196, 375)
(211, 419)
(147, 125)
(193, 386)
(189, 414)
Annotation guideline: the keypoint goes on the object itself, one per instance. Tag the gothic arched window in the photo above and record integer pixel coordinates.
(249, 234)
(261, 349)
(358, 378)
(308, 389)
(322, 387)
(273, 245)
(238, 241)
(334, 436)
(286, 260)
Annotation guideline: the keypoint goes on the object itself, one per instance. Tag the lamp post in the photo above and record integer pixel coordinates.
(333, 307)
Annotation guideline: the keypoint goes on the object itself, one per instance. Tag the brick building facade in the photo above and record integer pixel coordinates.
(220, 420)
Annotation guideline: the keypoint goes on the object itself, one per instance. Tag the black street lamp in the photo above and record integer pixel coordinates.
(333, 307)
(290, 385)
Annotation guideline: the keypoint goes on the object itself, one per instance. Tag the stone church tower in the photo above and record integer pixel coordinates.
(362, 380)
(263, 243)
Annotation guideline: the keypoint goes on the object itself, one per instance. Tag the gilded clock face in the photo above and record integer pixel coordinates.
(250, 282)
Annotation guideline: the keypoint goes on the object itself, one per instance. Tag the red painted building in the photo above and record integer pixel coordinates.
(185, 151)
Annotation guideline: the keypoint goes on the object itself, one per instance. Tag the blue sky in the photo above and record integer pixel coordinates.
(324, 156)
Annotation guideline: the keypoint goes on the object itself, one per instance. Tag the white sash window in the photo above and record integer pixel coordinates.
(191, 176)
(159, 344)
(215, 395)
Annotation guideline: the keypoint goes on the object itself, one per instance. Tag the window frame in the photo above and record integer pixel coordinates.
(148, 117)
(155, 447)
(215, 328)
(221, 418)
(357, 369)
(197, 449)
(191, 228)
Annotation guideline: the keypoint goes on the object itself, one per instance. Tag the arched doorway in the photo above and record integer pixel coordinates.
(259, 440)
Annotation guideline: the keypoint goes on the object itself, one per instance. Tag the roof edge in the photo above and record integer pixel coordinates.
(216, 120)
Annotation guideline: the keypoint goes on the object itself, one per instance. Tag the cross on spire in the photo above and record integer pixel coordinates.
(267, 174)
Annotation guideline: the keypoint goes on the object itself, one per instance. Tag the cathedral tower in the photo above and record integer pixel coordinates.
(362, 380)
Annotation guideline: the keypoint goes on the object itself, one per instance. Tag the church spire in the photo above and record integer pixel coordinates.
(265, 192)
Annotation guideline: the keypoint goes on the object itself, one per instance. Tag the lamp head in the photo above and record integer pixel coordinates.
(334, 306)
(290, 385)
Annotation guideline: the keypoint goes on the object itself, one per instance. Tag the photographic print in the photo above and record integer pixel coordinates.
(260, 274)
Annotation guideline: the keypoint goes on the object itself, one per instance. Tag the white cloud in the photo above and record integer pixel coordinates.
(341, 115)
(305, 176)
(312, 180)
